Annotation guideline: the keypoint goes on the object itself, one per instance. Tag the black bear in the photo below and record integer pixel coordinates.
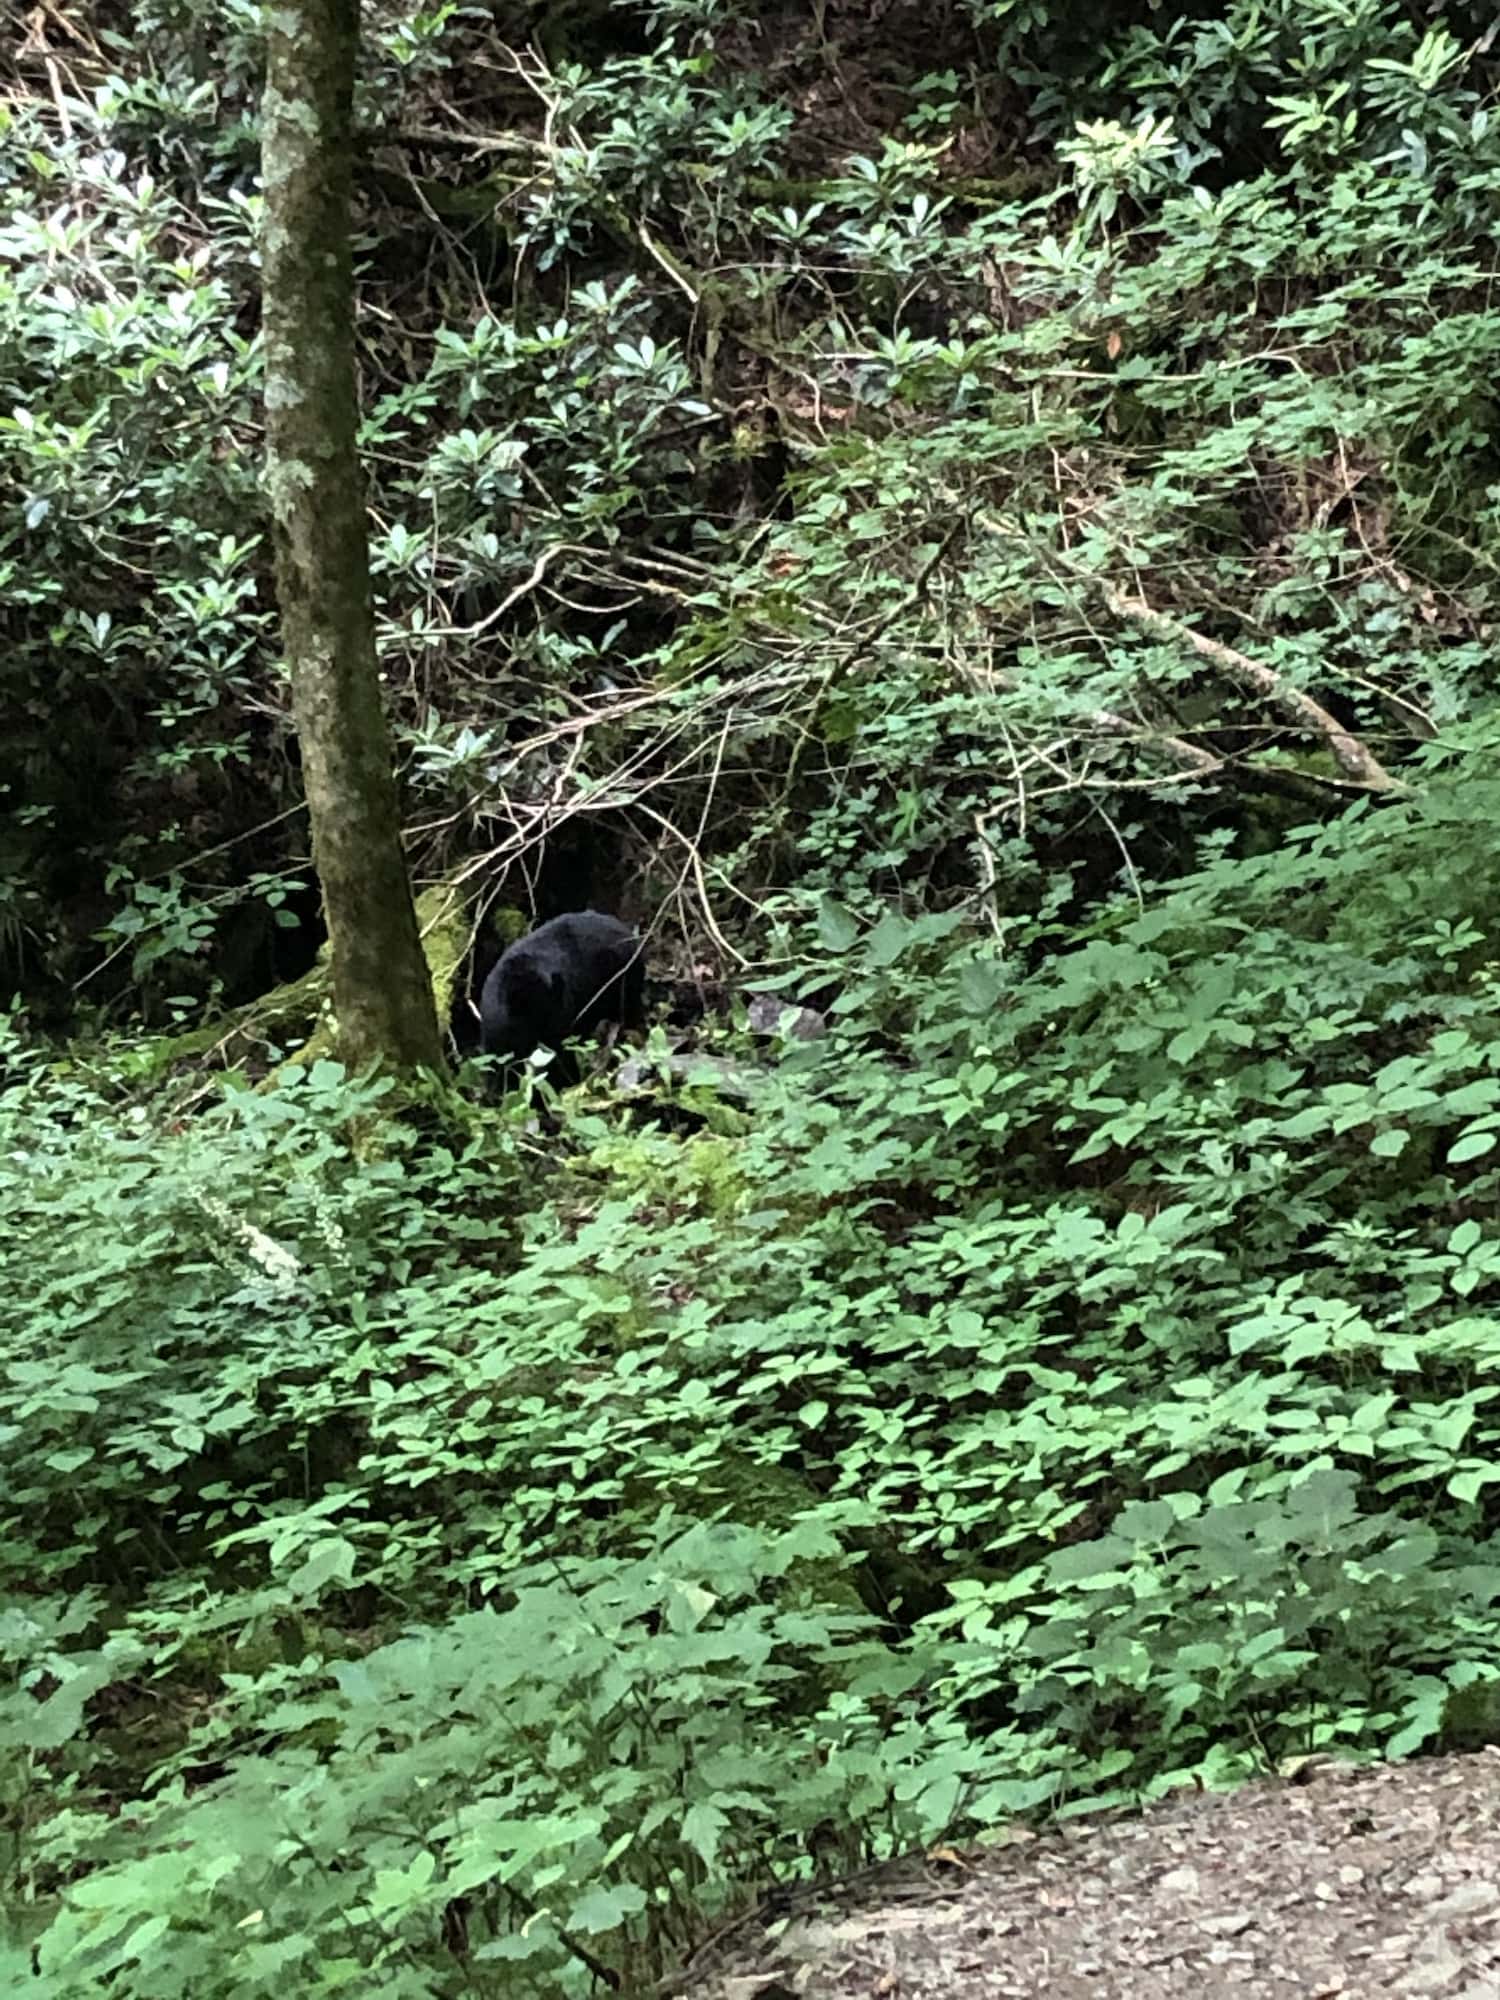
(567, 977)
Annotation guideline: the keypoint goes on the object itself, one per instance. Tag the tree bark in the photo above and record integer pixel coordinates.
(381, 990)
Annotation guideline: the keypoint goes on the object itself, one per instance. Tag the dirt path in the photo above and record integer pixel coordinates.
(1352, 1885)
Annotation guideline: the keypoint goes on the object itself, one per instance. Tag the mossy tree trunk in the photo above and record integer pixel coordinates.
(381, 990)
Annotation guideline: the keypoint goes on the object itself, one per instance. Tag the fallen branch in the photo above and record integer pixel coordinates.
(1348, 752)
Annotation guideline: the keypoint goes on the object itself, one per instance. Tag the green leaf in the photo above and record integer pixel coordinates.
(605, 1907)
(888, 940)
(837, 928)
(703, 1828)
(1473, 1146)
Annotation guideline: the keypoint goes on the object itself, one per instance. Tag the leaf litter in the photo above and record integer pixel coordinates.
(1342, 1883)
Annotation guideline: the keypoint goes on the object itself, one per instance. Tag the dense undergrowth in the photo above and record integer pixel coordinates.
(437, 1565)
(987, 532)
(776, 446)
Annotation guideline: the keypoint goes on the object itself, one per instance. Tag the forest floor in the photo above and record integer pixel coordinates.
(1346, 1883)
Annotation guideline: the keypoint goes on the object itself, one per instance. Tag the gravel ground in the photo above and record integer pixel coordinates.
(1345, 1884)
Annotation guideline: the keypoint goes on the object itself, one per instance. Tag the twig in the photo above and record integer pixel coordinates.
(57, 97)
(668, 264)
(693, 844)
(1190, 757)
(512, 598)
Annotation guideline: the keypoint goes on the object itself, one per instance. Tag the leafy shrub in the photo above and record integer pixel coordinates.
(443, 1562)
(1111, 1310)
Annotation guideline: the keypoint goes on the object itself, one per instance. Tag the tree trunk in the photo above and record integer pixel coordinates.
(381, 990)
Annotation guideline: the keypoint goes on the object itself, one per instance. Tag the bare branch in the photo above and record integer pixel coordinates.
(1350, 755)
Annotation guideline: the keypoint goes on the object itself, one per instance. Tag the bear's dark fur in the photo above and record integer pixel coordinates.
(567, 977)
